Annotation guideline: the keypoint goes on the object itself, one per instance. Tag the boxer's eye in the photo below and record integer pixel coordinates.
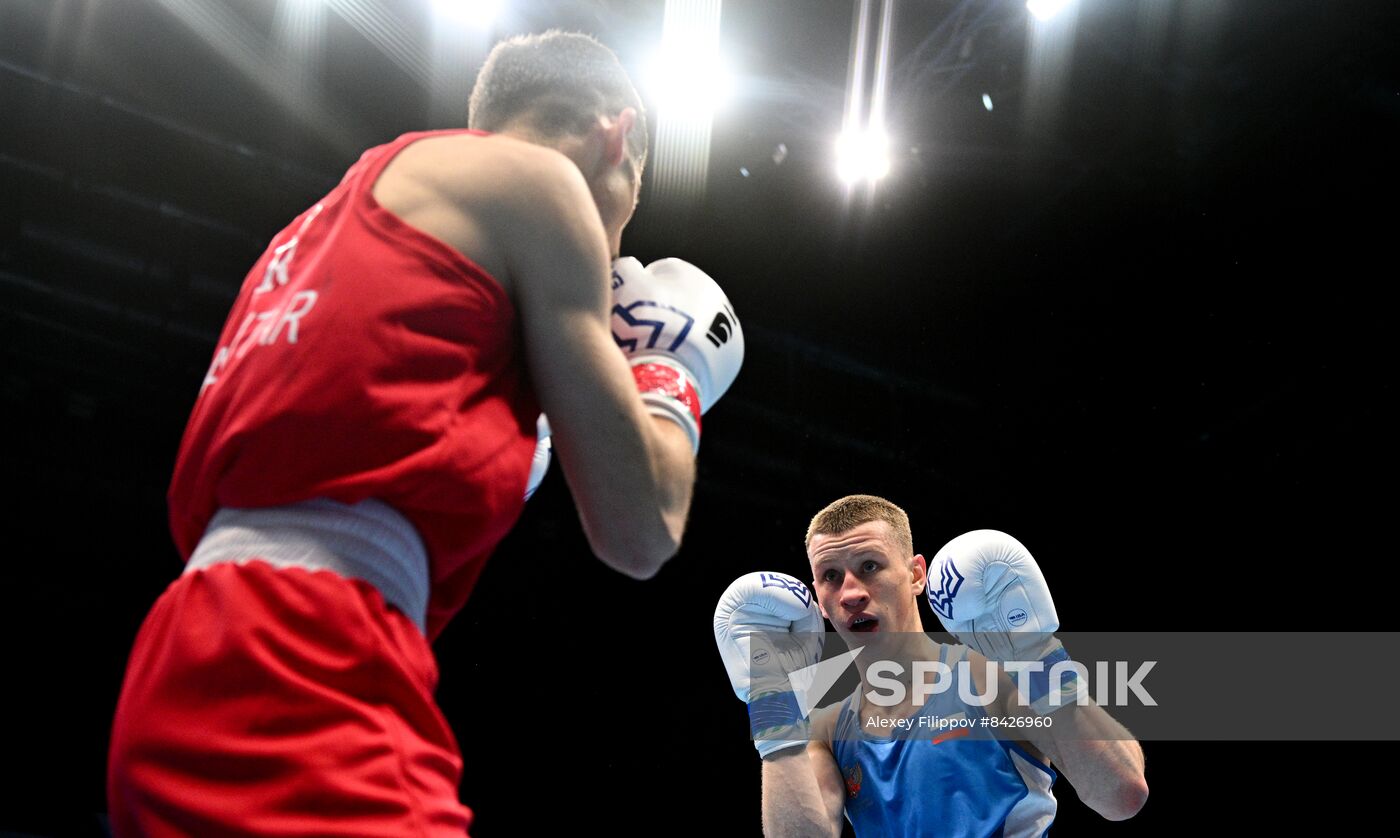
(829, 576)
(870, 566)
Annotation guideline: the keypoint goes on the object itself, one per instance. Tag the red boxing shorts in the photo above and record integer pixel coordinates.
(281, 701)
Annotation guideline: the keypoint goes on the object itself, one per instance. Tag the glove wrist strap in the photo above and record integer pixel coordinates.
(776, 715)
(668, 390)
(1049, 690)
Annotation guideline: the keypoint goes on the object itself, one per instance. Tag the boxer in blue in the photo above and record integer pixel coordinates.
(909, 764)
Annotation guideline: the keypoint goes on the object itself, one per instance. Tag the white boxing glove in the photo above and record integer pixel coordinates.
(544, 448)
(988, 592)
(680, 335)
(767, 626)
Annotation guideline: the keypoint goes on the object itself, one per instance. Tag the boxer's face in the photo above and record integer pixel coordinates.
(616, 195)
(864, 582)
(616, 181)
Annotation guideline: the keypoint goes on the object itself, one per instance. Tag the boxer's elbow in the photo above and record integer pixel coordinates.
(637, 542)
(1124, 800)
(640, 566)
(640, 553)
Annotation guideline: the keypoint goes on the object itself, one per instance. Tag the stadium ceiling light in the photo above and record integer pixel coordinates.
(1046, 9)
(862, 156)
(862, 147)
(686, 75)
(477, 14)
(688, 81)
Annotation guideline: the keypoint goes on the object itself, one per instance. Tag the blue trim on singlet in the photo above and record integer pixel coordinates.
(1048, 769)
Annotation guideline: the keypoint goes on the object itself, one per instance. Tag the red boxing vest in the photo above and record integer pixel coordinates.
(363, 359)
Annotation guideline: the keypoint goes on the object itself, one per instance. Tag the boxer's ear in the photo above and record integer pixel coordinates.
(920, 568)
(615, 131)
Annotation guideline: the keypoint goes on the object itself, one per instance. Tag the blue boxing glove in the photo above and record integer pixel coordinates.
(767, 626)
(680, 335)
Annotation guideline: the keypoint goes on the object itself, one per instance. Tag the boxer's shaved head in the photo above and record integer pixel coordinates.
(558, 83)
(853, 510)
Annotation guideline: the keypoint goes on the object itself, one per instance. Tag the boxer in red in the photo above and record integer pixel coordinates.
(365, 435)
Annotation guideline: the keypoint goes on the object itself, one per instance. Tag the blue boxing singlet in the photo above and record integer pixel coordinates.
(930, 781)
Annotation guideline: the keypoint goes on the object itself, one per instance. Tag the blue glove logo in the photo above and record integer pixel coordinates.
(778, 580)
(949, 581)
(650, 330)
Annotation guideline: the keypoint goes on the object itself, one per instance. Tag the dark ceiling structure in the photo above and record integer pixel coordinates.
(1133, 311)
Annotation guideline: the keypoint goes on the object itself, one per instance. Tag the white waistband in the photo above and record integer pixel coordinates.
(369, 540)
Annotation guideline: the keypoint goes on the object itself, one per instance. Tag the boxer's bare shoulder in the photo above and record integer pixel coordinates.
(480, 194)
(823, 727)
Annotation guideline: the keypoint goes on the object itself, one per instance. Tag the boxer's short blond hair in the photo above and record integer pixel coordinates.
(853, 510)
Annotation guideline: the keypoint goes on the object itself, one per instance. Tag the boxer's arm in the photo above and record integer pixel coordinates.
(803, 793)
(631, 474)
(1098, 756)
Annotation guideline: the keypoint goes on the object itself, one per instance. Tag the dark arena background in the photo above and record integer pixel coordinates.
(1121, 293)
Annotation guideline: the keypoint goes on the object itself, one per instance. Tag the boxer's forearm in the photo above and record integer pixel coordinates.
(792, 800)
(673, 465)
(1100, 758)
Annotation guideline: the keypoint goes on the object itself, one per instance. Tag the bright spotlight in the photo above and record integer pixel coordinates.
(862, 156)
(478, 14)
(1046, 9)
(689, 80)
